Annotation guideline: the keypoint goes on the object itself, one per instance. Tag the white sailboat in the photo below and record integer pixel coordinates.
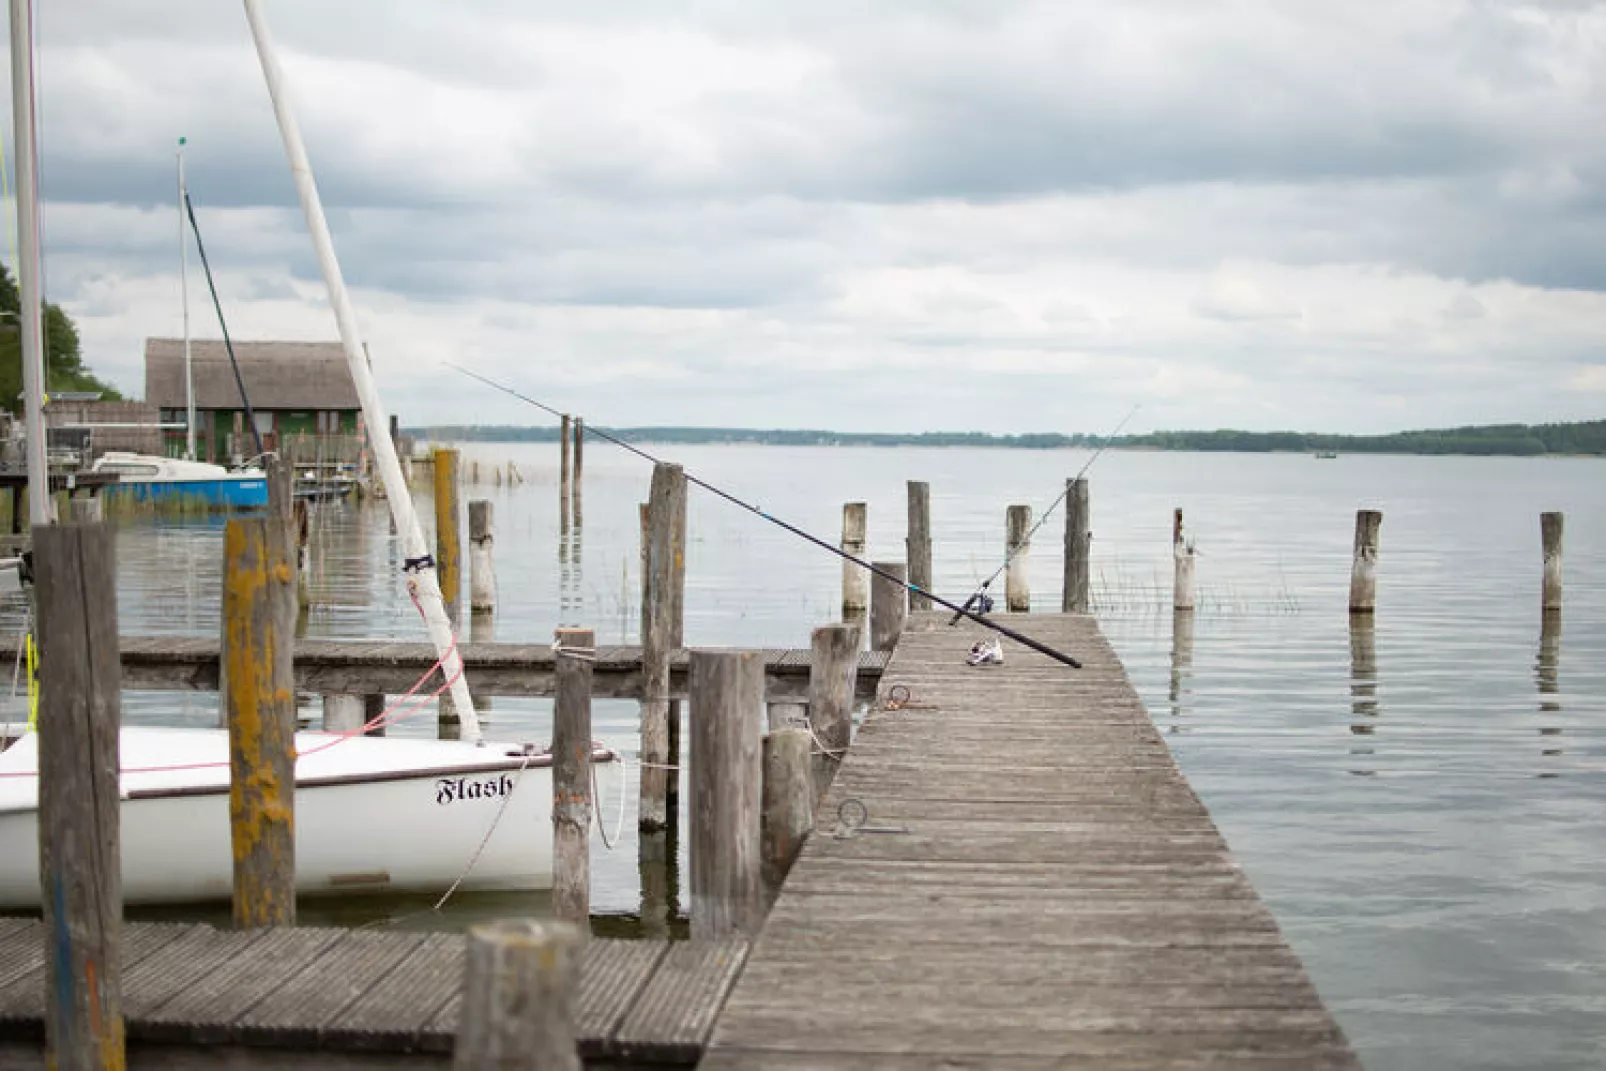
(372, 813)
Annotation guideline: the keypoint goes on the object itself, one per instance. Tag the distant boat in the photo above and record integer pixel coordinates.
(1326, 453)
(150, 478)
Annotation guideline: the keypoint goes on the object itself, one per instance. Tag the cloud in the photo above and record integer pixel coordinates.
(1026, 214)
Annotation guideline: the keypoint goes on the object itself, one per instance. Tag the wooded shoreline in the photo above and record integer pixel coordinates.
(1582, 439)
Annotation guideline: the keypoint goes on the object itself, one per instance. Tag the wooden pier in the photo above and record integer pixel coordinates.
(1057, 895)
(313, 999)
(1008, 871)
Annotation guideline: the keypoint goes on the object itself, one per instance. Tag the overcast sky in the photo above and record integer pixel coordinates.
(1004, 216)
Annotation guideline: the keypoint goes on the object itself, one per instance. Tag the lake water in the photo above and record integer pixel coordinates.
(1420, 802)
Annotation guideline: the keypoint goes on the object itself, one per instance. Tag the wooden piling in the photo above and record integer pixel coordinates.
(727, 703)
(571, 776)
(300, 533)
(86, 510)
(1017, 545)
(919, 544)
(343, 712)
(788, 815)
(889, 606)
(481, 567)
(1363, 573)
(855, 580)
(1182, 558)
(1550, 540)
(448, 535)
(579, 452)
(785, 714)
(80, 866)
(833, 674)
(259, 623)
(1078, 547)
(519, 982)
(663, 599)
(565, 468)
(373, 705)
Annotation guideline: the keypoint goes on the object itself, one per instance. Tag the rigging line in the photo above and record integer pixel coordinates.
(228, 345)
(1010, 554)
(962, 611)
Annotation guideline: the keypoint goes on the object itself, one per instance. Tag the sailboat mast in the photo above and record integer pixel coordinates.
(184, 303)
(28, 263)
(422, 582)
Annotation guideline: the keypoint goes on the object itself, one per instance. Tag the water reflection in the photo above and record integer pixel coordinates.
(1364, 707)
(1181, 663)
(1547, 676)
(571, 596)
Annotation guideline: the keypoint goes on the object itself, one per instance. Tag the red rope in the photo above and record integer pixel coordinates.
(391, 715)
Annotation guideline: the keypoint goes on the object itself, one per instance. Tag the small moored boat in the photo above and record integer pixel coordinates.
(147, 478)
(373, 814)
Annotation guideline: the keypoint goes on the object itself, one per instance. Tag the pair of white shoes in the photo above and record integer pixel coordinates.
(986, 653)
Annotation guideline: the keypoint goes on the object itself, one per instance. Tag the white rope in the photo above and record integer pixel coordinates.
(485, 840)
(819, 745)
(583, 654)
(624, 802)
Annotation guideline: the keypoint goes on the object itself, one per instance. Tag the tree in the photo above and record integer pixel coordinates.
(64, 365)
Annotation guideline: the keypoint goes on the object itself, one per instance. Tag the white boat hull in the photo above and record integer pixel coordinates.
(371, 815)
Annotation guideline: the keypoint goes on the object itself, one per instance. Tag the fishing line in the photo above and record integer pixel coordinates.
(981, 592)
(962, 611)
(228, 345)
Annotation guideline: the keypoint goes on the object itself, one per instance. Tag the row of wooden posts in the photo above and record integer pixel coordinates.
(857, 583)
(754, 794)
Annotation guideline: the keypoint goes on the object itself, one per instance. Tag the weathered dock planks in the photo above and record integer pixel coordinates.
(197, 997)
(361, 667)
(1061, 898)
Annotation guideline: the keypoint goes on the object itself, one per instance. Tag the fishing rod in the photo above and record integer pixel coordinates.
(980, 594)
(592, 429)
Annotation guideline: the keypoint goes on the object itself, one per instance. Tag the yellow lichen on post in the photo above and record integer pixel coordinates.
(259, 621)
(448, 540)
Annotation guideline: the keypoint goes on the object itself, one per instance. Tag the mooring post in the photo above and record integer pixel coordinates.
(1078, 547)
(919, 544)
(727, 703)
(448, 535)
(855, 580)
(1017, 545)
(1363, 573)
(663, 585)
(259, 616)
(373, 705)
(786, 714)
(788, 803)
(519, 982)
(343, 712)
(481, 568)
(1182, 567)
(579, 459)
(889, 606)
(1550, 539)
(565, 467)
(833, 677)
(80, 867)
(86, 510)
(300, 532)
(571, 776)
